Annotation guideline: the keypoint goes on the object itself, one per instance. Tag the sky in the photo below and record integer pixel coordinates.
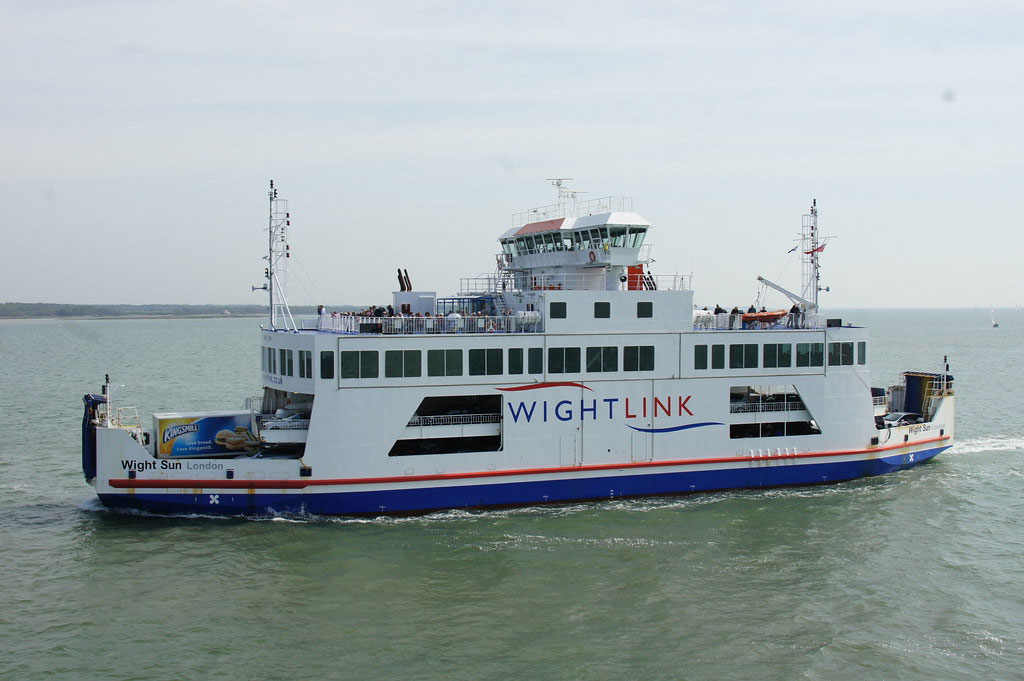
(138, 140)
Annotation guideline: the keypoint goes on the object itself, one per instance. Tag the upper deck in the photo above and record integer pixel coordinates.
(488, 324)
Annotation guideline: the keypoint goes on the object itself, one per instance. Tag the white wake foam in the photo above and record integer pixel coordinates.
(989, 444)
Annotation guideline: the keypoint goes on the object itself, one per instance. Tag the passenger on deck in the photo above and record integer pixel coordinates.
(794, 316)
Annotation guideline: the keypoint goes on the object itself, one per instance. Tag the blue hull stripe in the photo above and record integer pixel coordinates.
(675, 428)
(514, 493)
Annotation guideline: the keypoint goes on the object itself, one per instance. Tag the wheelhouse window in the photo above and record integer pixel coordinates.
(305, 364)
(862, 352)
(644, 309)
(557, 310)
(602, 310)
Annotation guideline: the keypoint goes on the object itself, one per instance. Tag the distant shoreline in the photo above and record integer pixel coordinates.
(107, 312)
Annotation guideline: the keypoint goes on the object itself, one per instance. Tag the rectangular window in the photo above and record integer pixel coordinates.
(287, 362)
(862, 352)
(444, 362)
(778, 355)
(305, 364)
(535, 359)
(743, 356)
(327, 364)
(563, 360)
(700, 357)
(810, 354)
(271, 361)
(638, 358)
(485, 362)
(644, 310)
(556, 360)
(557, 311)
(360, 364)
(717, 356)
(515, 360)
(773, 429)
(840, 354)
(602, 310)
(604, 358)
(402, 363)
(833, 354)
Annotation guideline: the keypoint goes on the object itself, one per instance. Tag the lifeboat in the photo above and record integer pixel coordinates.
(763, 318)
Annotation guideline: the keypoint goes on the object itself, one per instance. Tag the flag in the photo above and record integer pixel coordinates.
(819, 249)
(794, 248)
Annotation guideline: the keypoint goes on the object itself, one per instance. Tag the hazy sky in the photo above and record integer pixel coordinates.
(138, 139)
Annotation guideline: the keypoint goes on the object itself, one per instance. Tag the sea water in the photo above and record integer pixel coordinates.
(915, 575)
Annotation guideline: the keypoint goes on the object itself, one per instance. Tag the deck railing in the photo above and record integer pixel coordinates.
(428, 325)
(598, 280)
(271, 422)
(734, 322)
(605, 204)
(453, 420)
(748, 407)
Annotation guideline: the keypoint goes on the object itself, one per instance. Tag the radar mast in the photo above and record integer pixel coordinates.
(279, 253)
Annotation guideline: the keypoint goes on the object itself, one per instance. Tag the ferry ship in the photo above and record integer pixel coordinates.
(572, 372)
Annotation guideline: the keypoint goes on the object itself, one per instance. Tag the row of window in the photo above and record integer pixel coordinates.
(602, 310)
(615, 236)
(281, 361)
(489, 361)
(777, 355)
(567, 360)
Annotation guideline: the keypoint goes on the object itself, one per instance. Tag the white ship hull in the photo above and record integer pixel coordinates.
(571, 374)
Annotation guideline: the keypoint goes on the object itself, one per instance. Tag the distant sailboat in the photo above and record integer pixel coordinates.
(995, 324)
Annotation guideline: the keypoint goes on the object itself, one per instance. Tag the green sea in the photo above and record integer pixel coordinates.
(915, 575)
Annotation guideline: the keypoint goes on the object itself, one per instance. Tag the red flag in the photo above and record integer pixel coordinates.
(819, 249)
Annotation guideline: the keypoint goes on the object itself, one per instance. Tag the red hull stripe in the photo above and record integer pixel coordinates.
(537, 386)
(161, 483)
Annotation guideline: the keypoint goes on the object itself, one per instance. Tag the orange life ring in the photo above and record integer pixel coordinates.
(593, 257)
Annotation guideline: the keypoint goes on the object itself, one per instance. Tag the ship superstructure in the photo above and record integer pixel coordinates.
(570, 372)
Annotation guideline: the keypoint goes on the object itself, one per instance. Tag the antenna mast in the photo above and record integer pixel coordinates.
(565, 193)
(812, 247)
(279, 253)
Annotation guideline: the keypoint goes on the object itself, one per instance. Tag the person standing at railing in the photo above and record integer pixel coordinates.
(794, 316)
